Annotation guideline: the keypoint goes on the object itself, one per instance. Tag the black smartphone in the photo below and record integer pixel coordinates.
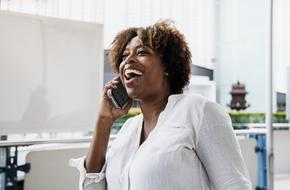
(119, 96)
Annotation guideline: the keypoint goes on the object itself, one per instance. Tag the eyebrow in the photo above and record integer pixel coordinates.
(127, 49)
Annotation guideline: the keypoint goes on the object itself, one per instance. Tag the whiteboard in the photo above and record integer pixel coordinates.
(51, 73)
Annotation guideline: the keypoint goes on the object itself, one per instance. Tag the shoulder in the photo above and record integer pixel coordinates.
(201, 103)
(214, 111)
(199, 109)
(186, 98)
(187, 108)
(215, 120)
(190, 102)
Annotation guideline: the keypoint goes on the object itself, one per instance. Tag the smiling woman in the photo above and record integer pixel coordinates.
(179, 141)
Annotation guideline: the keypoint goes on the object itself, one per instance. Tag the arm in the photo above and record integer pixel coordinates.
(96, 155)
(219, 151)
(92, 167)
(107, 115)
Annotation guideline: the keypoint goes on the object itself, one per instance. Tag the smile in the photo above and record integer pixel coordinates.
(130, 73)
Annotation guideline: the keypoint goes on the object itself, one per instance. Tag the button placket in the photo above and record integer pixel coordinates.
(160, 121)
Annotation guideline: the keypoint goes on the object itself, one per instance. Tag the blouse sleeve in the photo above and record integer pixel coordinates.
(89, 181)
(219, 151)
(97, 181)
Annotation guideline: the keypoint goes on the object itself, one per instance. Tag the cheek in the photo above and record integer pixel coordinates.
(121, 67)
(157, 70)
(156, 78)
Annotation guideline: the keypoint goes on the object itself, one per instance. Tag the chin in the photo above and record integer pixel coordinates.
(133, 94)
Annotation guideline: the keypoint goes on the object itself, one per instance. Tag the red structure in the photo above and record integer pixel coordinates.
(238, 93)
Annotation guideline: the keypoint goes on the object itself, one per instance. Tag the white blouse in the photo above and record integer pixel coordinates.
(192, 147)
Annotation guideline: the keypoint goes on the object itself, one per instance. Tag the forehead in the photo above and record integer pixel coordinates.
(134, 42)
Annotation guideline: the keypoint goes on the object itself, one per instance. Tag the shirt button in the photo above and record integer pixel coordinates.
(97, 178)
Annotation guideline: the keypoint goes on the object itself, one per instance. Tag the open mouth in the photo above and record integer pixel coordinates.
(131, 73)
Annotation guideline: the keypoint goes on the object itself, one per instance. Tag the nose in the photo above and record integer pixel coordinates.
(130, 59)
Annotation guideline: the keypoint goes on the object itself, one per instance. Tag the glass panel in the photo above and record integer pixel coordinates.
(242, 54)
(281, 93)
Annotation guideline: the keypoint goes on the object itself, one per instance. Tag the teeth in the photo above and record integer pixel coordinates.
(136, 72)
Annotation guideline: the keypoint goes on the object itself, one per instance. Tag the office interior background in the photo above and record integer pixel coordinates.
(54, 63)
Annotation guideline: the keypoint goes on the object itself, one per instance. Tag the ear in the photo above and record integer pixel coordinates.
(165, 70)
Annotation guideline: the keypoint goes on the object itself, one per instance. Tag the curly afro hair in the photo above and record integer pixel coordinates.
(168, 42)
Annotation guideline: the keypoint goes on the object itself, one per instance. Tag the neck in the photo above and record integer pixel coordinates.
(152, 108)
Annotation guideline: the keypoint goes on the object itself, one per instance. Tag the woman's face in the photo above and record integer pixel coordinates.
(142, 72)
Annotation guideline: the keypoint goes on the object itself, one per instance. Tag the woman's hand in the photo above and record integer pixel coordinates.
(108, 110)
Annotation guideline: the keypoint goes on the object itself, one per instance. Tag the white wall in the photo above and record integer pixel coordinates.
(281, 44)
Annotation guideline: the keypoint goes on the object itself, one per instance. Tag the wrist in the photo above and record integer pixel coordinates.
(106, 120)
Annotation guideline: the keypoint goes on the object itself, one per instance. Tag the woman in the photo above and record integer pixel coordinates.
(178, 142)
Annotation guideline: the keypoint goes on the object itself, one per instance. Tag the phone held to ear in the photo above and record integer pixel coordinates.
(119, 96)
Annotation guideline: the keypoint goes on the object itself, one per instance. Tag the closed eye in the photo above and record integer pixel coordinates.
(124, 56)
(142, 52)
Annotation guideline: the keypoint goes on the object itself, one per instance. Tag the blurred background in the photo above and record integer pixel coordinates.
(54, 63)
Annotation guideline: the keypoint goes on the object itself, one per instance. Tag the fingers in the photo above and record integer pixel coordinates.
(113, 83)
(110, 85)
(129, 105)
(123, 111)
